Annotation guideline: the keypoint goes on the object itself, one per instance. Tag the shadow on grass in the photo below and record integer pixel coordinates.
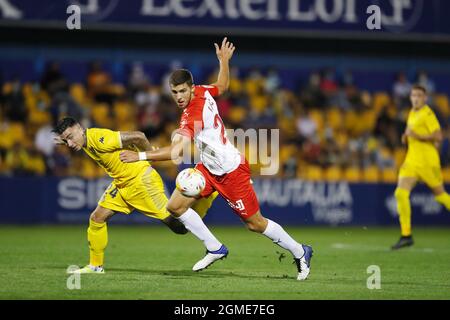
(203, 274)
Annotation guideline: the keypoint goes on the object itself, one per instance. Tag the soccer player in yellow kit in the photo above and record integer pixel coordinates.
(422, 163)
(135, 185)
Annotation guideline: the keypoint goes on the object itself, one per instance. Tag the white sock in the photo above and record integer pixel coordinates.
(194, 224)
(280, 237)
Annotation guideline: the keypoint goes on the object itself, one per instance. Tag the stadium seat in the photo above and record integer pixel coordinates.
(352, 174)
(371, 174)
(389, 175)
(100, 114)
(314, 173)
(235, 85)
(446, 175)
(17, 131)
(334, 118)
(380, 100)
(333, 174)
(237, 114)
(123, 112)
(78, 92)
(441, 102)
(259, 103)
(318, 118)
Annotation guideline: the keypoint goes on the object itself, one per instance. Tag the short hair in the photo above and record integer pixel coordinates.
(181, 76)
(63, 124)
(419, 87)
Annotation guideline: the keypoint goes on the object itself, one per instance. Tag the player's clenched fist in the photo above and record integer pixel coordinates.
(225, 51)
(129, 156)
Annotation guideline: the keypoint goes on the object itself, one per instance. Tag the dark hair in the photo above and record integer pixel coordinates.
(63, 124)
(181, 76)
(419, 87)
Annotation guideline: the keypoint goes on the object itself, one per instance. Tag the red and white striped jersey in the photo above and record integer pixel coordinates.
(201, 121)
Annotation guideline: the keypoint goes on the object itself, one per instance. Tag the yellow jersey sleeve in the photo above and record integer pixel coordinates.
(104, 140)
(432, 122)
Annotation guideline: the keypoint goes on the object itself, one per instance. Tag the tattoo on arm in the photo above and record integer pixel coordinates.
(135, 139)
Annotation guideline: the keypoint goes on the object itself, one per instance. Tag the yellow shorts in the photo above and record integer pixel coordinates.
(431, 176)
(202, 205)
(145, 194)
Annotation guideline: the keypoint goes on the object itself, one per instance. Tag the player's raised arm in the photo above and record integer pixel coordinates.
(172, 152)
(224, 54)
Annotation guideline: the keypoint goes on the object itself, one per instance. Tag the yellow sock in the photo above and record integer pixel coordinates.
(444, 199)
(404, 211)
(98, 239)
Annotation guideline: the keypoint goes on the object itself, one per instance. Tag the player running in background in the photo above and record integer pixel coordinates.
(224, 168)
(135, 185)
(422, 163)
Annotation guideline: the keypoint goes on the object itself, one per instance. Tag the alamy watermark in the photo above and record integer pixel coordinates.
(74, 280)
(374, 280)
(261, 147)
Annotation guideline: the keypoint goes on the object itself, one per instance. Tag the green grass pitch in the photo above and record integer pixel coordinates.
(149, 262)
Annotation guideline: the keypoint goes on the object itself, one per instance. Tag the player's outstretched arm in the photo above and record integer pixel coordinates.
(224, 54)
(171, 152)
(135, 139)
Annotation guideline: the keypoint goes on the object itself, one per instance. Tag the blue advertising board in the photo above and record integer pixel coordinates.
(327, 18)
(290, 202)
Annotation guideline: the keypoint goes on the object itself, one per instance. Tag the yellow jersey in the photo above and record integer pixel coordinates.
(104, 146)
(420, 153)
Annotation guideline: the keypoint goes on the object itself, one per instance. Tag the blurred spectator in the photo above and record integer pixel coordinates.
(15, 109)
(329, 86)
(329, 123)
(174, 65)
(273, 81)
(53, 81)
(312, 95)
(306, 126)
(137, 79)
(99, 84)
(425, 81)
(44, 140)
(401, 90)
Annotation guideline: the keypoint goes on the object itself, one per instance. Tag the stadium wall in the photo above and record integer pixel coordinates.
(291, 202)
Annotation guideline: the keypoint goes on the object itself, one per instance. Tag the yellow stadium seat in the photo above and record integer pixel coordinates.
(380, 100)
(100, 114)
(123, 112)
(252, 87)
(237, 114)
(333, 173)
(441, 101)
(27, 90)
(314, 173)
(352, 174)
(17, 131)
(235, 85)
(371, 174)
(287, 151)
(389, 175)
(446, 174)
(78, 92)
(334, 118)
(259, 103)
(126, 125)
(318, 118)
